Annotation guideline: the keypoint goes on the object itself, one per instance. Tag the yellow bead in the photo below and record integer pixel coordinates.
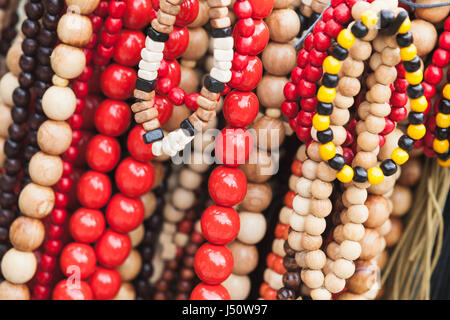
(419, 104)
(445, 163)
(440, 146)
(443, 120)
(406, 25)
(416, 131)
(346, 39)
(414, 77)
(375, 175)
(331, 65)
(408, 53)
(327, 151)
(345, 175)
(369, 18)
(399, 156)
(325, 94)
(446, 91)
(321, 122)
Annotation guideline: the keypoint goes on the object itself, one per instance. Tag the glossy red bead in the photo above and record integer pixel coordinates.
(254, 44)
(64, 184)
(112, 117)
(302, 58)
(441, 57)
(303, 133)
(399, 99)
(128, 47)
(53, 247)
(240, 108)
(227, 186)
(80, 88)
(164, 107)
(290, 91)
(332, 28)
(70, 290)
(289, 109)
(261, 9)
(124, 214)
(138, 149)
(206, 292)
(117, 9)
(220, 225)
(177, 44)
(309, 104)
(94, 189)
(316, 57)
(319, 27)
(213, 264)
(348, 155)
(342, 13)
(118, 82)
(444, 40)
(246, 27)
(105, 283)
(312, 74)
(433, 74)
(429, 91)
(305, 118)
(112, 248)
(398, 114)
(55, 232)
(78, 260)
(233, 146)
(113, 25)
(248, 78)
(327, 14)
(306, 89)
(58, 216)
(137, 14)
(321, 41)
(243, 9)
(388, 127)
(87, 225)
(191, 101)
(296, 74)
(134, 178)
(76, 121)
(188, 12)
(61, 200)
(103, 153)
(44, 277)
(47, 262)
(176, 96)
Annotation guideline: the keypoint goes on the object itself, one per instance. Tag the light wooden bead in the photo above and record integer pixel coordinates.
(383, 187)
(378, 211)
(278, 247)
(371, 244)
(380, 109)
(36, 201)
(253, 227)
(149, 202)
(358, 8)
(275, 280)
(355, 195)
(26, 234)
(5, 120)
(368, 141)
(333, 283)
(283, 24)
(198, 44)
(237, 286)
(393, 236)
(343, 268)
(18, 267)
(315, 226)
(257, 198)
(2, 152)
(285, 215)
(311, 242)
(297, 222)
(343, 217)
(279, 58)
(313, 152)
(137, 235)
(315, 259)
(301, 205)
(328, 267)
(260, 167)
(363, 110)
(190, 179)
(45, 169)
(384, 228)
(303, 187)
(358, 213)
(126, 292)
(385, 74)
(300, 258)
(343, 102)
(59, 103)
(390, 144)
(312, 278)
(353, 231)
(434, 15)
(67, 61)
(411, 173)
(321, 190)
(365, 277)
(8, 84)
(401, 200)
(338, 234)
(339, 135)
(292, 182)
(390, 56)
(84, 7)
(245, 258)
(295, 240)
(13, 58)
(54, 137)
(281, 4)
(202, 17)
(361, 50)
(375, 61)
(333, 250)
(352, 67)
(325, 172)
(183, 199)
(74, 29)
(320, 208)
(270, 91)
(189, 81)
(269, 132)
(130, 268)
(424, 36)
(375, 124)
(339, 117)
(301, 153)
(320, 294)
(11, 291)
(350, 250)
(364, 159)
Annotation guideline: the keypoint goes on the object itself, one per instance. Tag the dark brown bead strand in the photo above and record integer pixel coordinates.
(21, 98)
(9, 32)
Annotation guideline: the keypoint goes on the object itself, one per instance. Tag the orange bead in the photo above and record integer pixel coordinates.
(279, 230)
(289, 198)
(270, 294)
(296, 168)
(263, 289)
(271, 259)
(278, 266)
(286, 232)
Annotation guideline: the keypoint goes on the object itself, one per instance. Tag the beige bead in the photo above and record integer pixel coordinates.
(339, 117)
(279, 58)
(333, 283)
(313, 151)
(54, 137)
(343, 102)
(355, 195)
(13, 57)
(300, 258)
(270, 91)
(10, 291)
(278, 247)
(411, 173)
(269, 132)
(18, 267)
(333, 250)
(401, 199)
(297, 222)
(390, 145)
(320, 294)
(312, 278)
(245, 258)
(385, 74)
(281, 4)
(301, 153)
(321, 190)
(359, 8)
(325, 172)
(253, 227)
(375, 61)
(378, 211)
(137, 235)
(126, 292)
(74, 29)
(320, 208)
(285, 215)
(45, 169)
(434, 15)
(183, 199)
(384, 228)
(315, 259)
(375, 124)
(380, 109)
(130, 268)
(352, 68)
(338, 233)
(8, 84)
(295, 240)
(293, 182)
(258, 197)
(36, 201)
(343, 268)
(361, 50)
(358, 213)
(309, 168)
(260, 167)
(59, 103)
(353, 231)
(67, 61)
(393, 236)
(364, 159)
(368, 141)
(314, 226)
(371, 245)
(202, 17)
(149, 202)
(283, 24)
(159, 170)
(303, 187)
(365, 277)
(5, 120)
(60, 82)
(198, 44)
(190, 179)
(310, 242)
(26, 234)
(84, 7)
(350, 250)
(390, 56)
(189, 81)
(301, 205)
(237, 286)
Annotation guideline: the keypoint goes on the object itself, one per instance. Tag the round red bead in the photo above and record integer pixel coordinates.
(112, 248)
(137, 147)
(94, 189)
(213, 264)
(87, 225)
(68, 290)
(118, 82)
(227, 186)
(124, 214)
(103, 153)
(78, 259)
(177, 44)
(105, 283)
(188, 13)
(220, 225)
(206, 292)
(137, 14)
(134, 178)
(240, 108)
(112, 117)
(128, 47)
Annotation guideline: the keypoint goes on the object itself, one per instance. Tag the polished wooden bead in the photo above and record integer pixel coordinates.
(130, 268)
(198, 44)
(13, 58)
(320, 208)
(283, 24)
(311, 242)
(18, 267)
(67, 61)
(189, 81)
(36, 201)
(245, 257)
(54, 137)
(74, 29)
(320, 189)
(312, 278)
(85, 7)
(137, 235)
(202, 17)
(45, 169)
(26, 234)
(269, 133)
(394, 234)
(365, 277)
(434, 15)
(401, 199)
(126, 292)
(237, 286)
(258, 197)
(371, 245)
(279, 58)
(350, 250)
(253, 227)
(59, 103)
(8, 84)
(361, 50)
(333, 283)
(315, 259)
(378, 211)
(11, 291)
(260, 167)
(270, 91)
(183, 199)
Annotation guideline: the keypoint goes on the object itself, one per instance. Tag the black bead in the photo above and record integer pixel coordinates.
(222, 33)
(12, 166)
(8, 183)
(324, 108)
(145, 85)
(404, 39)
(43, 55)
(30, 28)
(50, 21)
(156, 35)
(285, 294)
(40, 87)
(29, 152)
(213, 85)
(16, 132)
(395, 25)
(359, 174)
(147, 270)
(443, 156)
(44, 73)
(406, 143)
(26, 79)
(412, 65)
(330, 80)
(4, 233)
(415, 92)
(29, 46)
(32, 136)
(337, 162)
(359, 30)
(339, 52)
(325, 136)
(389, 167)
(187, 127)
(441, 133)
(27, 63)
(21, 97)
(35, 121)
(416, 117)
(444, 106)
(386, 18)
(55, 6)
(6, 217)
(7, 200)
(47, 38)
(154, 135)
(34, 10)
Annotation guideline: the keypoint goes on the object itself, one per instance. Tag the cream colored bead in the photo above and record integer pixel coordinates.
(293, 182)
(312, 278)
(320, 189)
(8, 84)
(226, 43)
(285, 215)
(67, 61)
(153, 46)
(278, 247)
(320, 294)
(303, 187)
(36, 201)
(54, 137)
(354, 195)
(275, 280)
(353, 231)
(223, 55)
(295, 240)
(301, 153)
(222, 65)
(45, 169)
(310, 242)
(74, 29)
(147, 75)
(126, 292)
(315, 226)
(137, 235)
(59, 82)
(343, 102)
(297, 222)
(5, 120)
(333, 250)
(190, 179)
(309, 168)
(320, 208)
(253, 227)
(129, 269)
(338, 234)
(84, 7)
(59, 103)
(301, 205)
(181, 239)
(223, 76)
(325, 172)
(150, 56)
(183, 199)
(343, 268)
(149, 202)
(350, 250)
(237, 286)
(315, 259)
(149, 66)
(10, 291)
(333, 283)
(18, 267)
(300, 258)
(358, 213)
